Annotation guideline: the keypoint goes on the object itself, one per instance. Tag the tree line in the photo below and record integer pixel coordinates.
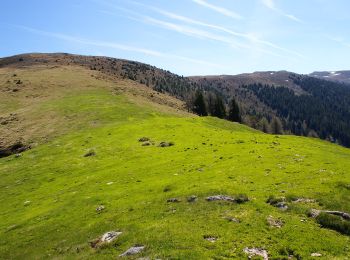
(209, 103)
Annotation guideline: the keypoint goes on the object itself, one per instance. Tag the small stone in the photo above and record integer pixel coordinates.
(18, 155)
(147, 143)
(100, 208)
(166, 144)
(232, 219)
(144, 139)
(281, 205)
(133, 250)
(110, 236)
(274, 222)
(173, 200)
(211, 239)
(256, 252)
(314, 213)
(316, 255)
(107, 237)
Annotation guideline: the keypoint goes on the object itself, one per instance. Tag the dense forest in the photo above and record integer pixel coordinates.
(324, 111)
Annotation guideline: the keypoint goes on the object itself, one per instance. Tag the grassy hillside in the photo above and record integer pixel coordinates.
(49, 194)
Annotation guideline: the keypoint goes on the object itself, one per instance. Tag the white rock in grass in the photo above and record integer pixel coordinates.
(110, 236)
(107, 237)
(256, 252)
(133, 250)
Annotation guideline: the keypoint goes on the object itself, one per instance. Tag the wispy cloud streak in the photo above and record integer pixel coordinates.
(339, 40)
(218, 9)
(271, 5)
(245, 36)
(113, 45)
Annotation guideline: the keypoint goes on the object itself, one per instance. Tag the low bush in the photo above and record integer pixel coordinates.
(334, 222)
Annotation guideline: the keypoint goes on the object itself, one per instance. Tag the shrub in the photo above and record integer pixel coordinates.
(90, 153)
(241, 198)
(334, 222)
(272, 200)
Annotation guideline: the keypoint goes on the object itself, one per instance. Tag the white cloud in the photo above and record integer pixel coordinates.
(245, 36)
(218, 9)
(117, 46)
(271, 5)
(251, 43)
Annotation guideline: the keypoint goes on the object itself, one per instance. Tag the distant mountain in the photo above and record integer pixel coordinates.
(338, 76)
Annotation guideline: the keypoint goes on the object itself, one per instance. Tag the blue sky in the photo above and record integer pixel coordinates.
(188, 37)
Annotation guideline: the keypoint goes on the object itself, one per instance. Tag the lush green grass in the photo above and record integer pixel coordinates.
(133, 182)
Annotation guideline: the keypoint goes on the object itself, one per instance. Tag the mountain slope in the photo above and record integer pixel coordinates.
(257, 111)
(88, 155)
(337, 76)
(35, 108)
(306, 105)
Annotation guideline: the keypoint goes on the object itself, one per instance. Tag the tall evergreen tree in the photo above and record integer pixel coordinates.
(234, 113)
(199, 106)
(276, 126)
(211, 103)
(219, 108)
(264, 125)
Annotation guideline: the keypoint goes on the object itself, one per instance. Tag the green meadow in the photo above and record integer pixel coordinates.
(49, 194)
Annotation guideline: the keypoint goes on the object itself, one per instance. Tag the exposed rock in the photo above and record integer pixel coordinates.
(281, 205)
(166, 144)
(232, 219)
(144, 139)
(314, 213)
(133, 250)
(192, 198)
(173, 200)
(256, 252)
(274, 222)
(110, 236)
(316, 255)
(279, 202)
(220, 197)
(344, 215)
(100, 208)
(210, 238)
(107, 237)
(238, 199)
(147, 143)
(16, 148)
(303, 200)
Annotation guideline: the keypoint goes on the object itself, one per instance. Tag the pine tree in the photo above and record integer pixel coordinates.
(199, 106)
(234, 113)
(219, 108)
(264, 125)
(276, 126)
(211, 103)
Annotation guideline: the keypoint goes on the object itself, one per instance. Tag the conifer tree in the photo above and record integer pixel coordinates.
(219, 108)
(234, 113)
(199, 106)
(276, 126)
